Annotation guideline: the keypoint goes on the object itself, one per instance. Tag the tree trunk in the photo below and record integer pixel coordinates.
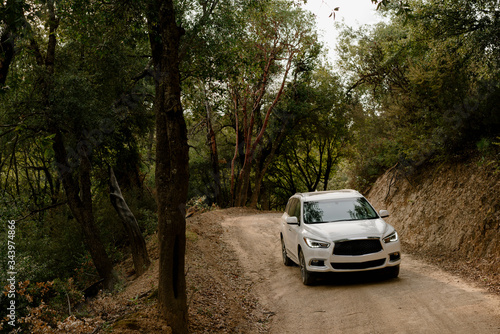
(172, 161)
(265, 202)
(6, 54)
(214, 155)
(329, 165)
(276, 143)
(243, 184)
(12, 22)
(81, 207)
(78, 191)
(137, 243)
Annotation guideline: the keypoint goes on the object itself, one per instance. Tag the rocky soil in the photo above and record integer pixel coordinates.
(448, 214)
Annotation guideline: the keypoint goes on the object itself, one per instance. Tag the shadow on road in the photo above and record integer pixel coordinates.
(354, 278)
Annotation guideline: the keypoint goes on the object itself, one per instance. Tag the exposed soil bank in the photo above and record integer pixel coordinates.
(449, 214)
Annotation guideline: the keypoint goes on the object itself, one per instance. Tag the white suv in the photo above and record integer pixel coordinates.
(337, 231)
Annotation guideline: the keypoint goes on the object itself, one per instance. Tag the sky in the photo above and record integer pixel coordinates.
(351, 12)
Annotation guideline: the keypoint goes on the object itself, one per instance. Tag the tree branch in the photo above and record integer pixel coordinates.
(43, 209)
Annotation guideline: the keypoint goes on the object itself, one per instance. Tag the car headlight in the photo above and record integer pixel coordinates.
(391, 237)
(313, 243)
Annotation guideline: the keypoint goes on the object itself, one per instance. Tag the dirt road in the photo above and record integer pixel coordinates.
(423, 299)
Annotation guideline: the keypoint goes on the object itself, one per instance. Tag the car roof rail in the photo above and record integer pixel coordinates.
(324, 192)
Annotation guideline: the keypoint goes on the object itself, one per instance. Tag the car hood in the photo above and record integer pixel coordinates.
(350, 229)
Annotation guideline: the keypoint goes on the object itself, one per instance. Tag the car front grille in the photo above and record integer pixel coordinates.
(357, 247)
(358, 265)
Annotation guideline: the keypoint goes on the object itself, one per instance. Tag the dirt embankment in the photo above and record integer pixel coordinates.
(449, 214)
(220, 296)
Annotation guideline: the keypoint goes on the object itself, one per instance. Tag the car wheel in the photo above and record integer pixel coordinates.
(392, 272)
(307, 276)
(286, 260)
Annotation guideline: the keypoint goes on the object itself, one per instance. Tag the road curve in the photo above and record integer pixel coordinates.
(424, 299)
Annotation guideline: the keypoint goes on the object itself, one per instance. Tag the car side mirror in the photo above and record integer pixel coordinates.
(383, 213)
(292, 220)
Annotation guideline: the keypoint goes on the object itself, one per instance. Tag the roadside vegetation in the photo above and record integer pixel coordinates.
(265, 115)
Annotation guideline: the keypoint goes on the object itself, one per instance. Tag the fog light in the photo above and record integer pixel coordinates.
(318, 263)
(394, 256)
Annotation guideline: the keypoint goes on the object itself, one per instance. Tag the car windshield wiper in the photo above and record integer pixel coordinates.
(340, 220)
(344, 220)
(330, 221)
(349, 220)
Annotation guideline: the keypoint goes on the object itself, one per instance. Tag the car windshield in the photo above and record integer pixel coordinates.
(338, 210)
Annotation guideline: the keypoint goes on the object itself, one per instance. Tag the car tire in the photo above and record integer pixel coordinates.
(307, 276)
(392, 272)
(286, 260)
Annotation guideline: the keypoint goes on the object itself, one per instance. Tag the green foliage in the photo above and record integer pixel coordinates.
(422, 86)
(94, 96)
(316, 109)
(431, 76)
(47, 247)
(246, 52)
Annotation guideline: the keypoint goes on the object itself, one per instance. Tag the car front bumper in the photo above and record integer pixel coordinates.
(323, 260)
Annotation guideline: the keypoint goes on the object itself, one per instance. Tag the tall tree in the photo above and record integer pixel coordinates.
(79, 198)
(172, 162)
(78, 192)
(279, 34)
